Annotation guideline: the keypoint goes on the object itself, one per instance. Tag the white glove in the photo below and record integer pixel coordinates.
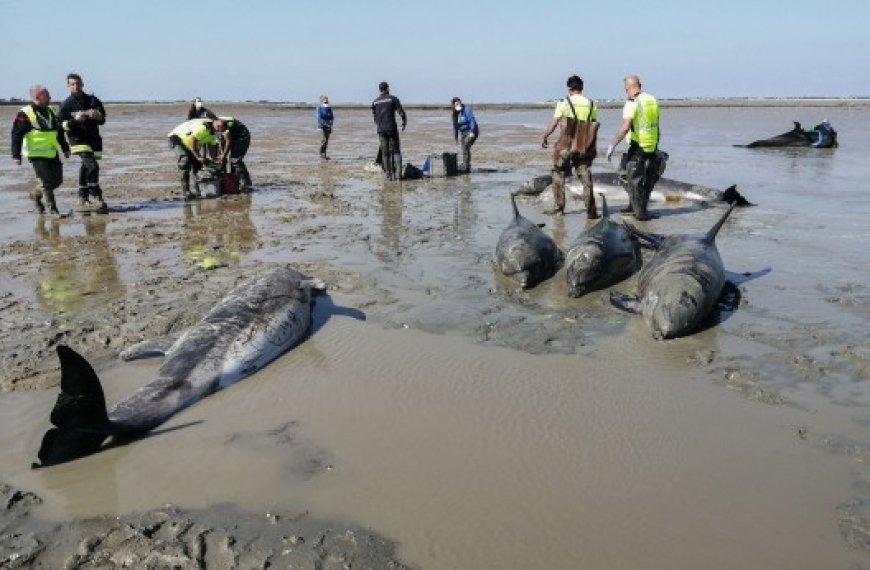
(80, 116)
(609, 152)
(94, 114)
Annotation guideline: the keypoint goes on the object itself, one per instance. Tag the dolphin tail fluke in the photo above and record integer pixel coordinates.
(732, 196)
(626, 303)
(79, 415)
(711, 235)
(514, 205)
(604, 212)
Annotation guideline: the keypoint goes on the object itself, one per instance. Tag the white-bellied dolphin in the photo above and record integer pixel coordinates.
(679, 286)
(258, 321)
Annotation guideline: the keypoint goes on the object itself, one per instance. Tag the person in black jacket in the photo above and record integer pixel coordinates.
(198, 111)
(81, 116)
(36, 132)
(384, 110)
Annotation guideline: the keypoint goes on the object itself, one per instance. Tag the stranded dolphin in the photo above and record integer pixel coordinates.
(609, 184)
(525, 253)
(679, 286)
(603, 254)
(258, 321)
(822, 135)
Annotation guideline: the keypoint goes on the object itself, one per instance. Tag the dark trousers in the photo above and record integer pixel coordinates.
(186, 163)
(324, 140)
(391, 153)
(89, 176)
(238, 149)
(640, 171)
(563, 164)
(49, 173)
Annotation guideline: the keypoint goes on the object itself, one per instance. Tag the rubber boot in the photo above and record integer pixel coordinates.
(639, 200)
(397, 165)
(84, 201)
(185, 187)
(558, 195)
(591, 209)
(244, 177)
(49, 200)
(97, 192)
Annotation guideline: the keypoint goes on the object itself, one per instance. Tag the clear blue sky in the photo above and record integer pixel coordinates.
(429, 51)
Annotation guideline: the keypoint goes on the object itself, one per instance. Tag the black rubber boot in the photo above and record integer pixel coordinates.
(397, 165)
(97, 192)
(84, 201)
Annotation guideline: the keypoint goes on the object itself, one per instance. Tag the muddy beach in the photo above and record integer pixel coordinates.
(463, 421)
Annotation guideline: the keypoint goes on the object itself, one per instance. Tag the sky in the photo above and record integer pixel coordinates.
(485, 51)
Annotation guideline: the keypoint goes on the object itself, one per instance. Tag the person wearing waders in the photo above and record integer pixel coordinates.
(465, 126)
(81, 116)
(36, 135)
(384, 109)
(234, 143)
(642, 164)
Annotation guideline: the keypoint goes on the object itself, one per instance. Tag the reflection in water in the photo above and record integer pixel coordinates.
(218, 232)
(465, 211)
(81, 269)
(391, 223)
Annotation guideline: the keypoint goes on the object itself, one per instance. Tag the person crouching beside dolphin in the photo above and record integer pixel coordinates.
(642, 163)
(576, 107)
(234, 146)
(194, 143)
(36, 134)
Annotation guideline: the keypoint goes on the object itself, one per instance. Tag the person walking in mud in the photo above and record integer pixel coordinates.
(234, 144)
(81, 116)
(576, 107)
(198, 111)
(36, 135)
(384, 109)
(194, 142)
(464, 126)
(325, 119)
(641, 166)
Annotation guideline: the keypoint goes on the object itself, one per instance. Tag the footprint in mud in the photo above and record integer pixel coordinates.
(303, 459)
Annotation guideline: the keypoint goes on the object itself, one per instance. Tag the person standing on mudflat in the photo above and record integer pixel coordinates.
(36, 135)
(642, 163)
(325, 119)
(384, 109)
(465, 126)
(81, 116)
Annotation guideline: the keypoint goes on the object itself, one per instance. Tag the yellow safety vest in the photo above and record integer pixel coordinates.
(197, 128)
(645, 122)
(41, 140)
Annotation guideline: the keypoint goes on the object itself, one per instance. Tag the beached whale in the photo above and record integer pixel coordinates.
(602, 255)
(666, 190)
(258, 321)
(525, 253)
(680, 285)
(822, 135)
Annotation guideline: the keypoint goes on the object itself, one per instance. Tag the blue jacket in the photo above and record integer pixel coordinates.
(324, 117)
(465, 122)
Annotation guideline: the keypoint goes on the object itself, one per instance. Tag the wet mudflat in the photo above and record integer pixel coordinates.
(530, 429)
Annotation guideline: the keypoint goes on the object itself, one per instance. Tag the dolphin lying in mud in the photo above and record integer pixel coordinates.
(603, 254)
(257, 322)
(666, 190)
(679, 286)
(525, 253)
(822, 135)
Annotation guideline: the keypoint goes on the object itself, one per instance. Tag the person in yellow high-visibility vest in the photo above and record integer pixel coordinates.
(642, 164)
(37, 135)
(195, 144)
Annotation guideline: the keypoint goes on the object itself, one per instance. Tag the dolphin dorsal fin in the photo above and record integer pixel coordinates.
(514, 205)
(711, 235)
(604, 212)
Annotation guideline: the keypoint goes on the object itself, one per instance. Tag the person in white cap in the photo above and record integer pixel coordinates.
(325, 119)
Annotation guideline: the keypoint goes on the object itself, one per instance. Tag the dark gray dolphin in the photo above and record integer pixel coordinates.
(679, 286)
(258, 321)
(525, 253)
(603, 254)
(822, 135)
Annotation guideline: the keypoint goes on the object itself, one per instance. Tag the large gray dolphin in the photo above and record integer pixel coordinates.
(258, 321)
(603, 254)
(526, 253)
(679, 286)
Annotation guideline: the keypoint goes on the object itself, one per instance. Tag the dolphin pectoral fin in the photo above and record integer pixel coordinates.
(647, 238)
(627, 303)
(541, 225)
(732, 196)
(151, 348)
(79, 415)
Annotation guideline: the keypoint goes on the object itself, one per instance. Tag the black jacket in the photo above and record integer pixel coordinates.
(21, 126)
(87, 132)
(384, 109)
